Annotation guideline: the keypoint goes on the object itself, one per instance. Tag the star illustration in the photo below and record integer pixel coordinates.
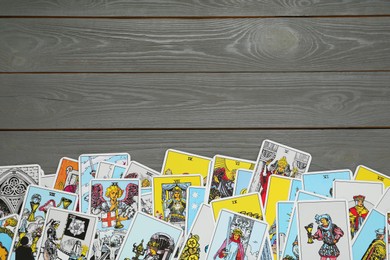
(194, 206)
(195, 195)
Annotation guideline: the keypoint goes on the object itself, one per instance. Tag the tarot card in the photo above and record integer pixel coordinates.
(47, 181)
(142, 172)
(14, 181)
(246, 204)
(147, 203)
(296, 185)
(266, 252)
(322, 182)
(223, 175)
(383, 204)
(169, 197)
(195, 197)
(290, 250)
(237, 236)
(7, 231)
(87, 166)
(364, 173)
(179, 162)
(67, 175)
(107, 170)
(114, 202)
(199, 236)
(370, 241)
(283, 218)
(243, 178)
(323, 230)
(67, 235)
(158, 241)
(278, 190)
(362, 196)
(278, 159)
(37, 202)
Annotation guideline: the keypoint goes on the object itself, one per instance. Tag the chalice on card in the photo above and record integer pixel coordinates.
(34, 204)
(309, 230)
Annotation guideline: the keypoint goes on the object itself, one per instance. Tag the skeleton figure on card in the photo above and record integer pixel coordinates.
(277, 159)
(115, 202)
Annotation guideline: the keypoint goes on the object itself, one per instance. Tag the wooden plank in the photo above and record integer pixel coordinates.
(185, 8)
(193, 45)
(232, 100)
(331, 149)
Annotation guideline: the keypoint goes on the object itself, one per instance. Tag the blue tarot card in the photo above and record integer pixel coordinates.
(370, 242)
(195, 197)
(108, 170)
(322, 182)
(88, 164)
(283, 217)
(37, 201)
(243, 178)
(296, 185)
(8, 227)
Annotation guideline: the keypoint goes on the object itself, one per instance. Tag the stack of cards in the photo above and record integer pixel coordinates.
(109, 207)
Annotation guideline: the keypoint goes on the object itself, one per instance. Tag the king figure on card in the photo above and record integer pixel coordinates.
(357, 214)
(231, 248)
(329, 233)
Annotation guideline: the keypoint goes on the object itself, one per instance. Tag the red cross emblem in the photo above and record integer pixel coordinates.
(108, 219)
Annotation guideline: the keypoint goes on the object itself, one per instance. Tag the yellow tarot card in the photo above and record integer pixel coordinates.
(169, 196)
(247, 204)
(179, 162)
(278, 190)
(364, 173)
(223, 175)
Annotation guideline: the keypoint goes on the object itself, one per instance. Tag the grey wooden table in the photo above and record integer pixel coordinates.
(205, 76)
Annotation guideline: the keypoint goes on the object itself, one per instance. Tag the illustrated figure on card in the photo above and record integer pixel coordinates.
(114, 202)
(232, 248)
(377, 248)
(176, 205)
(327, 232)
(278, 159)
(67, 235)
(120, 209)
(357, 214)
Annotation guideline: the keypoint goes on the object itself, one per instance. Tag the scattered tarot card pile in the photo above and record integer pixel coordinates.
(107, 206)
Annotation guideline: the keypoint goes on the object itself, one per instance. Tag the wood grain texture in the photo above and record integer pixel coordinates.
(185, 8)
(193, 45)
(232, 100)
(331, 149)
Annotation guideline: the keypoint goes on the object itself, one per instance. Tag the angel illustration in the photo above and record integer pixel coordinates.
(113, 211)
